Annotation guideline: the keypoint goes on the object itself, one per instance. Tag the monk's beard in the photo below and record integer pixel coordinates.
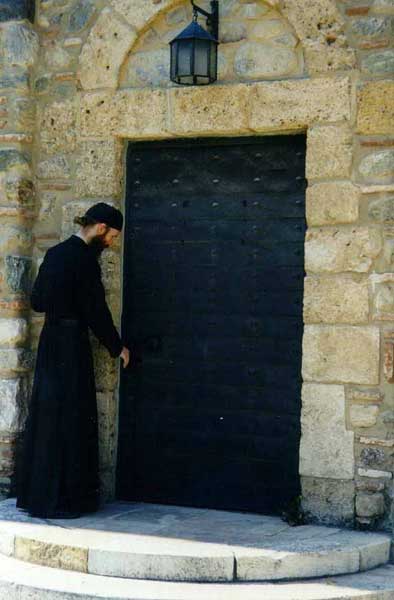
(98, 244)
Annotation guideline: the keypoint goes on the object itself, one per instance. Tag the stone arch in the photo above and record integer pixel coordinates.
(318, 23)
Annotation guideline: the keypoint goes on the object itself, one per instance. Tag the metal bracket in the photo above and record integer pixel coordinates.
(212, 17)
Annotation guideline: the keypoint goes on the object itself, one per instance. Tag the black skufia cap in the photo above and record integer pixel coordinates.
(105, 213)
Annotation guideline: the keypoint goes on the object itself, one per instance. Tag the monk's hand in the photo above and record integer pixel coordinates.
(125, 354)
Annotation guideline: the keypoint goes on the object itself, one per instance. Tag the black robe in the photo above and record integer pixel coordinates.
(58, 468)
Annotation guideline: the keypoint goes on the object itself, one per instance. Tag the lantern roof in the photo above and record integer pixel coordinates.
(194, 30)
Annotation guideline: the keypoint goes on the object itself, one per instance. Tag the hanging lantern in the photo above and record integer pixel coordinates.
(194, 50)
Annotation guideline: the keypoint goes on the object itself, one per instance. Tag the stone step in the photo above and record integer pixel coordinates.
(21, 581)
(272, 552)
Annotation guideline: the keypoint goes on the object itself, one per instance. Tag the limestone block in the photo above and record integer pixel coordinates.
(127, 113)
(284, 105)
(381, 210)
(15, 239)
(378, 63)
(18, 190)
(375, 102)
(383, 6)
(332, 202)
(326, 448)
(19, 44)
(314, 19)
(321, 58)
(256, 60)
(80, 15)
(382, 291)
(106, 368)
(13, 332)
(140, 12)
(150, 68)
(54, 167)
(334, 249)
(370, 27)
(13, 404)
(369, 505)
(219, 109)
(338, 299)
(345, 353)
(375, 473)
(251, 10)
(56, 124)
(51, 555)
(56, 57)
(99, 169)
(377, 167)
(268, 28)
(18, 360)
(363, 416)
(104, 51)
(328, 501)
(17, 274)
(373, 457)
(110, 270)
(107, 423)
(10, 158)
(329, 152)
(232, 31)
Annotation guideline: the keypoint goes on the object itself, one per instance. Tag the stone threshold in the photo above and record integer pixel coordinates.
(173, 543)
(19, 581)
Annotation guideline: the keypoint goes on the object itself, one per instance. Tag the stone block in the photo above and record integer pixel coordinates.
(104, 51)
(377, 167)
(127, 113)
(219, 109)
(256, 60)
(373, 457)
(332, 202)
(323, 58)
(382, 288)
(51, 555)
(19, 44)
(338, 299)
(17, 274)
(106, 368)
(11, 158)
(375, 473)
(19, 190)
(13, 404)
(378, 63)
(328, 501)
(369, 505)
(326, 448)
(371, 27)
(100, 169)
(383, 6)
(57, 126)
(363, 416)
(13, 332)
(345, 353)
(80, 15)
(15, 239)
(54, 167)
(297, 104)
(329, 152)
(335, 249)
(18, 360)
(375, 103)
(381, 210)
(140, 13)
(150, 68)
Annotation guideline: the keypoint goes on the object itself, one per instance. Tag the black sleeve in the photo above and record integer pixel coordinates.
(41, 293)
(93, 307)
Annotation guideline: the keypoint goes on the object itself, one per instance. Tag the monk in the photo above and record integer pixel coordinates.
(58, 474)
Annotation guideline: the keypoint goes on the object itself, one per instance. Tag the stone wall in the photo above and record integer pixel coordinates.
(320, 66)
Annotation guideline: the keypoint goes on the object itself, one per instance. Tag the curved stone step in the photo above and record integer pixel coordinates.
(21, 581)
(295, 553)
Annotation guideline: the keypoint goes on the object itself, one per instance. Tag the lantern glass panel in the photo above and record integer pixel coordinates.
(185, 50)
(201, 57)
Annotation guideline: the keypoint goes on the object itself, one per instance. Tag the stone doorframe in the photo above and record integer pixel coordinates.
(332, 359)
(341, 345)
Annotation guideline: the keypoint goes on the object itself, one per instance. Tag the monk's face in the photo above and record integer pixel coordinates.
(104, 237)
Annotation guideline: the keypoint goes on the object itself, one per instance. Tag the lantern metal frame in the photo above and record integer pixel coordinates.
(195, 31)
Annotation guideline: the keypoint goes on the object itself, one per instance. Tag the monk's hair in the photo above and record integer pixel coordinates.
(84, 221)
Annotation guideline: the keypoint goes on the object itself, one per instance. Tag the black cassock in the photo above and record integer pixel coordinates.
(59, 460)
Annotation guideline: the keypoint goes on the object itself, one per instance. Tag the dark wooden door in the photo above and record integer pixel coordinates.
(213, 296)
